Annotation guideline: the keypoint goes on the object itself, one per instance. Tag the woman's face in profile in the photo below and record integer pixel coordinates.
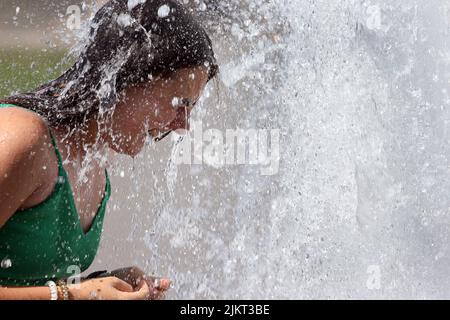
(155, 108)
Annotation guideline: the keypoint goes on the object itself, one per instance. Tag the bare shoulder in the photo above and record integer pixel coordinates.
(24, 141)
(22, 133)
(21, 118)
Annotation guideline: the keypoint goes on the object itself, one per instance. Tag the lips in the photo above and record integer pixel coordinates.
(153, 132)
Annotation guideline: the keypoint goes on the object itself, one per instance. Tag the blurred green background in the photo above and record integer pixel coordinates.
(22, 70)
(33, 42)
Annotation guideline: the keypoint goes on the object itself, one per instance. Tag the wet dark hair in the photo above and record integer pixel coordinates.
(129, 42)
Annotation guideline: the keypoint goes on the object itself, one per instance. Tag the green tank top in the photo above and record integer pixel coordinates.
(47, 242)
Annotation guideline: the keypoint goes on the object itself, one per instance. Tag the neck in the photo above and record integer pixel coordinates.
(75, 143)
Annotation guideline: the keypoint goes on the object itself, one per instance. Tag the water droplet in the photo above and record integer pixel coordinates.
(163, 11)
(133, 3)
(124, 20)
(6, 263)
(175, 102)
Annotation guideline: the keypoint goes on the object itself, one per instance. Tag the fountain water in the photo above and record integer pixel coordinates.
(359, 207)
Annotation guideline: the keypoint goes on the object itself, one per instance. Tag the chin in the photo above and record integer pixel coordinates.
(128, 150)
(127, 147)
(133, 150)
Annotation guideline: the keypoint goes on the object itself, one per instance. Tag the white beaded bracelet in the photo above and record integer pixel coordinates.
(53, 290)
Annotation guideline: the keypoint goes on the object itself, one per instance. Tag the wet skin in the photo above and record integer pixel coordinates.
(142, 110)
(155, 109)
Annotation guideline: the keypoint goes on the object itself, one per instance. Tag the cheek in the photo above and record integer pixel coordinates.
(126, 124)
(127, 135)
(162, 116)
(123, 122)
(181, 121)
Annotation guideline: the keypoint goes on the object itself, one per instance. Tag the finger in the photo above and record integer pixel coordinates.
(142, 294)
(154, 294)
(161, 295)
(158, 283)
(164, 284)
(122, 285)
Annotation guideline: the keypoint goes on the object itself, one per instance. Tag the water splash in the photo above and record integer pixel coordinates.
(6, 263)
(341, 80)
(171, 171)
(359, 92)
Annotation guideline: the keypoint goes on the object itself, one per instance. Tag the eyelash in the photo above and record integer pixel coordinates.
(186, 102)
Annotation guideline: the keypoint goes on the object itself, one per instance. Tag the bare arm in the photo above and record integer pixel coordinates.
(22, 157)
(25, 293)
(22, 134)
(23, 154)
(110, 288)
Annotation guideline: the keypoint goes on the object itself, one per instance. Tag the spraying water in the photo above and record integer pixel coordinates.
(359, 206)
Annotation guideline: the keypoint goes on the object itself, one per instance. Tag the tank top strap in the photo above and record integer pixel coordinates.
(58, 154)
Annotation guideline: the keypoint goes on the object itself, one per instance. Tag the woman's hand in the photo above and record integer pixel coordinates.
(109, 288)
(135, 277)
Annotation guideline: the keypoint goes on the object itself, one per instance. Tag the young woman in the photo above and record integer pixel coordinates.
(139, 73)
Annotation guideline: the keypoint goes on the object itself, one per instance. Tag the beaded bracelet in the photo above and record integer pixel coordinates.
(53, 290)
(64, 288)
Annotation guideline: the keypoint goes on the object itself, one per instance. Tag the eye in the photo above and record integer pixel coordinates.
(181, 102)
(186, 102)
